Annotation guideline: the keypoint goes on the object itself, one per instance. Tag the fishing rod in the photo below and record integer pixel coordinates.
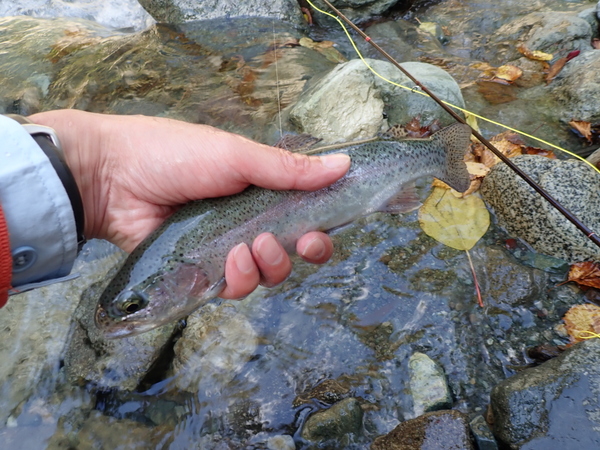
(590, 234)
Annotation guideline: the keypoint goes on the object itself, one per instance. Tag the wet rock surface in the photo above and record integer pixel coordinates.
(216, 342)
(441, 429)
(528, 216)
(334, 424)
(553, 405)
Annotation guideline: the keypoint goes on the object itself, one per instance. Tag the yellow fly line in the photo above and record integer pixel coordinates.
(465, 111)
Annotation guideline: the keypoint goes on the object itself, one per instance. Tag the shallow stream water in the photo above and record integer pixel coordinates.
(389, 291)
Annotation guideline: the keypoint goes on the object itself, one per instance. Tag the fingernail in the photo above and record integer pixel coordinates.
(315, 249)
(243, 258)
(335, 161)
(270, 251)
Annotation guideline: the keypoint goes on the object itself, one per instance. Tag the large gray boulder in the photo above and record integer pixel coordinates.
(577, 88)
(351, 102)
(552, 32)
(110, 13)
(178, 11)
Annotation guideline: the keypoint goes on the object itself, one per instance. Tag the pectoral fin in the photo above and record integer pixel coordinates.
(404, 201)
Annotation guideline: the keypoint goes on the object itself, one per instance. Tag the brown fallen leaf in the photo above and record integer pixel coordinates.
(582, 322)
(555, 69)
(582, 127)
(540, 152)
(585, 273)
(509, 144)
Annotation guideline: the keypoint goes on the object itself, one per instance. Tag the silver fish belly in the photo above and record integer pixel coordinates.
(181, 266)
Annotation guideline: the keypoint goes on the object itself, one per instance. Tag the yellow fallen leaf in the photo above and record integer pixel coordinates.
(535, 54)
(508, 73)
(456, 222)
(582, 322)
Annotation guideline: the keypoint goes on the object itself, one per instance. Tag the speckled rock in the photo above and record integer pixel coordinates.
(370, 104)
(448, 430)
(429, 389)
(553, 405)
(526, 215)
(338, 422)
(215, 344)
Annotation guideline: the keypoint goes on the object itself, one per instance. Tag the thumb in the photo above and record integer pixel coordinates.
(275, 168)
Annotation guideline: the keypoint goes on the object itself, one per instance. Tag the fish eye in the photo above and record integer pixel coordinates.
(129, 302)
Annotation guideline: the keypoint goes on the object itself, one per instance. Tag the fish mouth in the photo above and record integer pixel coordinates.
(118, 328)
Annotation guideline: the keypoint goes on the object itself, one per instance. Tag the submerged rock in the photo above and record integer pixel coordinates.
(553, 405)
(527, 215)
(336, 423)
(352, 103)
(429, 389)
(484, 438)
(110, 363)
(214, 346)
(448, 430)
(36, 327)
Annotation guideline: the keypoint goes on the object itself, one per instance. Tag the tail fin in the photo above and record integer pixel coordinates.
(455, 140)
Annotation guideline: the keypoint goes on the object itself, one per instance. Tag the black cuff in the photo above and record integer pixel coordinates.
(46, 138)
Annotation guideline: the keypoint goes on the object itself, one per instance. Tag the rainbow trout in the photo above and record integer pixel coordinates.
(181, 266)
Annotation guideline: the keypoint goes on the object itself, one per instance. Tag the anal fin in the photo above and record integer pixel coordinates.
(404, 201)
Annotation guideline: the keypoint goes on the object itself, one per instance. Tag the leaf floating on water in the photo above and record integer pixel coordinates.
(456, 222)
(508, 73)
(586, 274)
(325, 48)
(534, 54)
(583, 128)
(582, 322)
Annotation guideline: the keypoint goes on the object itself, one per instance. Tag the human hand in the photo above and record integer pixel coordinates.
(135, 171)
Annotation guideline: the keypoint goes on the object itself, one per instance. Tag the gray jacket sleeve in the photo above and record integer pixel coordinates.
(39, 216)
